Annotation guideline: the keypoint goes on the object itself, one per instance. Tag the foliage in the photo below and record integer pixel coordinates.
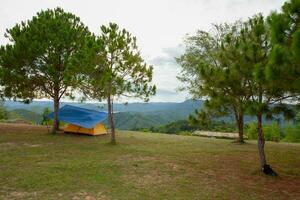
(272, 132)
(117, 69)
(230, 70)
(251, 131)
(297, 117)
(284, 64)
(46, 120)
(184, 127)
(292, 133)
(39, 60)
(175, 127)
(26, 115)
(3, 112)
(213, 68)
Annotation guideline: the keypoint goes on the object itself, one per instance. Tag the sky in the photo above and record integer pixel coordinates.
(159, 25)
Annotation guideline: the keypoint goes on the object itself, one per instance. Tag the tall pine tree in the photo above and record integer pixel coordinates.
(39, 59)
(116, 69)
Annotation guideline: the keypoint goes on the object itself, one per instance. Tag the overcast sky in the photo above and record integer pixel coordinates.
(159, 25)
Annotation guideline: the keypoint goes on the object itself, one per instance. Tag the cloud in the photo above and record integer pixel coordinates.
(165, 72)
(162, 60)
(169, 56)
(173, 51)
(159, 25)
(163, 95)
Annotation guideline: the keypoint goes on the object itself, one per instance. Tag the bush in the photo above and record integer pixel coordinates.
(3, 112)
(45, 120)
(271, 132)
(292, 133)
(251, 131)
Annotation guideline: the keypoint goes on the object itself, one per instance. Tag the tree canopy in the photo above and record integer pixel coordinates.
(284, 61)
(116, 69)
(39, 59)
(230, 70)
(211, 68)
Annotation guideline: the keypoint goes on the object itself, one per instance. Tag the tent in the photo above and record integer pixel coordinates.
(81, 120)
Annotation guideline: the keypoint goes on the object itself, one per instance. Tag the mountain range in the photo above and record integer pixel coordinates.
(131, 116)
(127, 116)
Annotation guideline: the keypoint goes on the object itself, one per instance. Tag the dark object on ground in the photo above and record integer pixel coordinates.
(266, 169)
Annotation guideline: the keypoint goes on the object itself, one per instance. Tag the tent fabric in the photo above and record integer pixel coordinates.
(79, 116)
(99, 129)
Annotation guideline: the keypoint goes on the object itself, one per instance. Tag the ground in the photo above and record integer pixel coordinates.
(35, 164)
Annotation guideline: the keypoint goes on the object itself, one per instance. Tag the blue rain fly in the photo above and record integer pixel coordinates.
(79, 116)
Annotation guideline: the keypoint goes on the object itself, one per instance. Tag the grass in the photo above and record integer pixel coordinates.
(38, 165)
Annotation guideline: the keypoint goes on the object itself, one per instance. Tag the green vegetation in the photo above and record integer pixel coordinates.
(19, 114)
(39, 60)
(3, 112)
(283, 69)
(292, 133)
(212, 67)
(37, 165)
(116, 69)
(251, 131)
(25, 115)
(185, 127)
(248, 67)
(46, 120)
(271, 132)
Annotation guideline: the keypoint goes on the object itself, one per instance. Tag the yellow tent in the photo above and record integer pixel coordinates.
(98, 129)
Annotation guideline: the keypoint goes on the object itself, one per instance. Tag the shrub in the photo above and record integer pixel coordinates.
(292, 133)
(3, 112)
(272, 132)
(251, 131)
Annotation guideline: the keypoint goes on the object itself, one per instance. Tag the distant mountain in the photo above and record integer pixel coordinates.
(38, 106)
(129, 117)
(26, 115)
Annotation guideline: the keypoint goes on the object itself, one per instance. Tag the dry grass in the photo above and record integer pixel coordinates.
(37, 165)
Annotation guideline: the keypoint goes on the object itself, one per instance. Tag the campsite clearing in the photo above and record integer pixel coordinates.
(37, 165)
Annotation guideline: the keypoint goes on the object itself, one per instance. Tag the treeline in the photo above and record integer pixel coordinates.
(287, 132)
(273, 132)
(184, 127)
(249, 67)
(20, 115)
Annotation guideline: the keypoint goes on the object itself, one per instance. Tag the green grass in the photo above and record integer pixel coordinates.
(38, 165)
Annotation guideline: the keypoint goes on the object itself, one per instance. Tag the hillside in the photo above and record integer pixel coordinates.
(26, 115)
(37, 165)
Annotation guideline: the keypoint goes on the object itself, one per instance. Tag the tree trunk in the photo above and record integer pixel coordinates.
(241, 128)
(111, 121)
(239, 118)
(55, 118)
(261, 141)
(261, 149)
